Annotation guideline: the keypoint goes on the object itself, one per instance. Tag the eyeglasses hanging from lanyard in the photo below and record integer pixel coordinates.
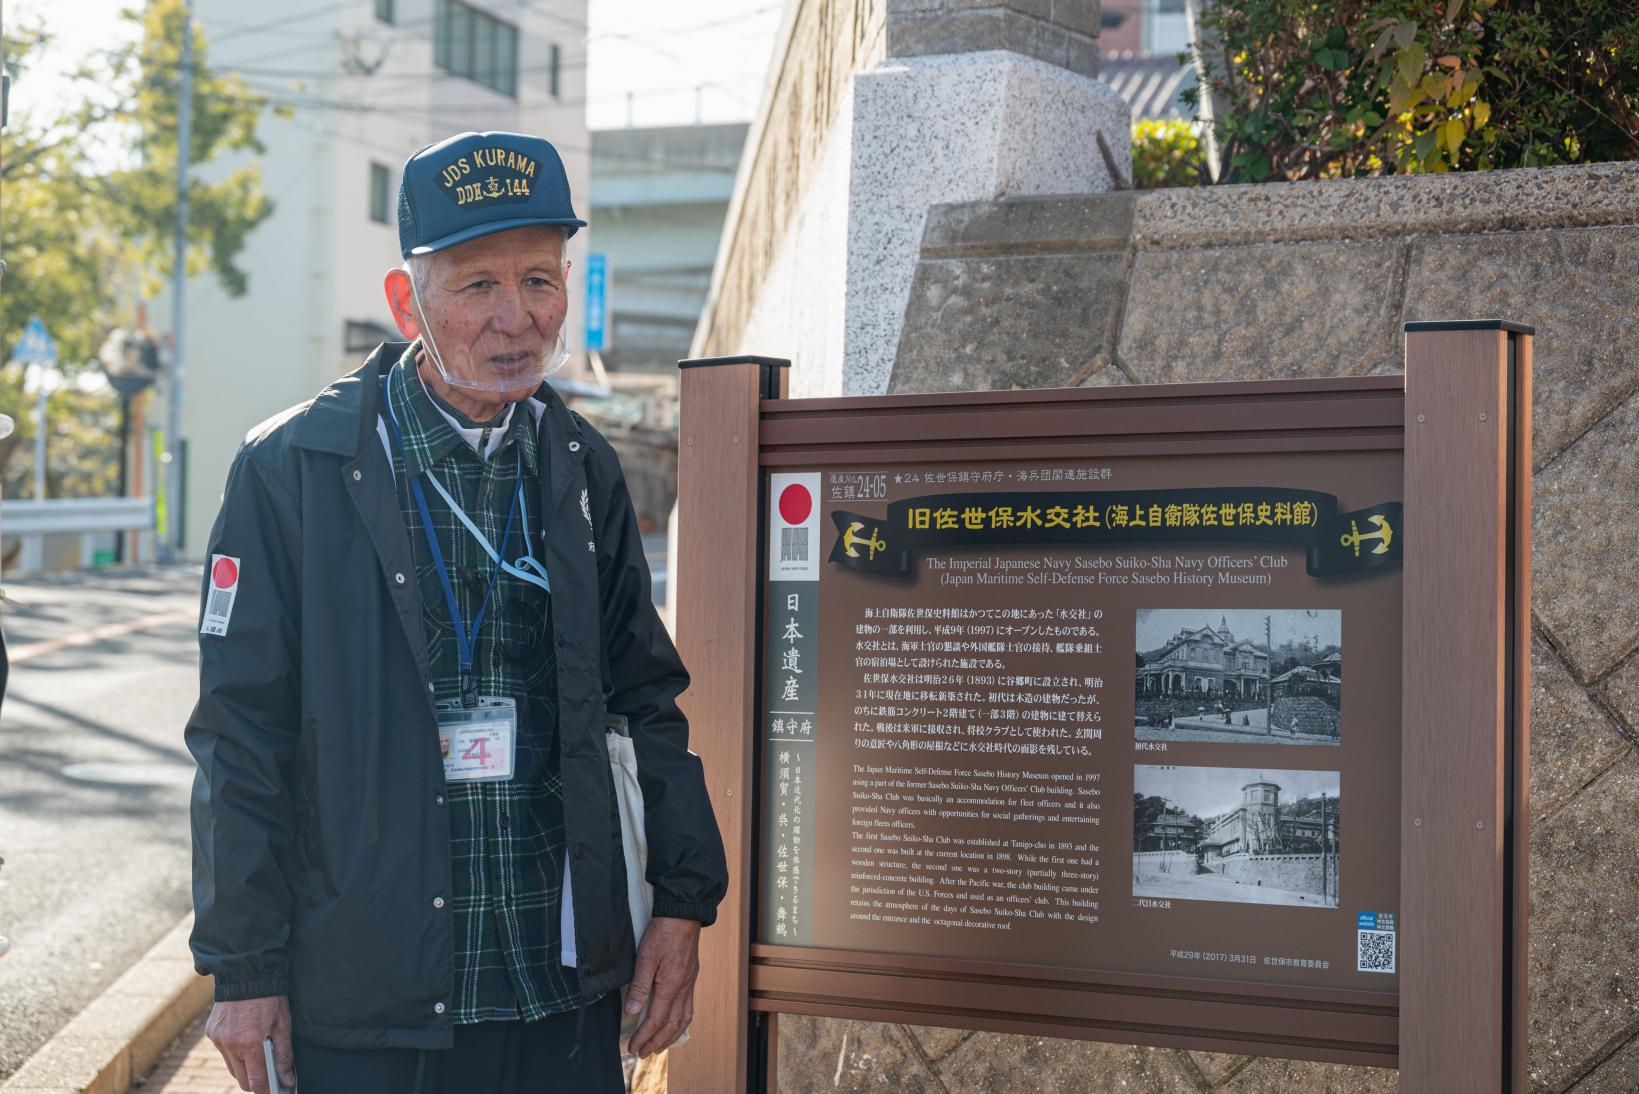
(465, 640)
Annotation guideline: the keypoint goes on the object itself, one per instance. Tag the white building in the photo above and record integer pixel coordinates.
(368, 83)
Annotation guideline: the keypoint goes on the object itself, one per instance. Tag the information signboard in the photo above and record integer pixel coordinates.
(1087, 713)
(1187, 715)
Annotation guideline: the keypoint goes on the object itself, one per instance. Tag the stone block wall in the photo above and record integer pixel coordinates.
(876, 111)
(1244, 282)
(1305, 714)
(1060, 32)
(1173, 862)
(1304, 873)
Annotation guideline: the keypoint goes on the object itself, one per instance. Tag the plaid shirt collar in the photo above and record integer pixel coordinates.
(428, 434)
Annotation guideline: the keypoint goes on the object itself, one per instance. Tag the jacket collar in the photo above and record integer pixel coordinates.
(341, 419)
(431, 431)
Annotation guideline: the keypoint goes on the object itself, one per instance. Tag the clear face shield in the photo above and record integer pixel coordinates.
(509, 357)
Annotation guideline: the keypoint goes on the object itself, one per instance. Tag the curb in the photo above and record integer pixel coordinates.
(118, 1038)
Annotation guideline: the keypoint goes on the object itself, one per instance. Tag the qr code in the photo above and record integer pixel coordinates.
(221, 602)
(793, 545)
(1374, 951)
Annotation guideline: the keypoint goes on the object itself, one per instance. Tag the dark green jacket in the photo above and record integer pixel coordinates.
(319, 831)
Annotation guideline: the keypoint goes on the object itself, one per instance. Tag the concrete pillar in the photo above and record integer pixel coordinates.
(976, 100)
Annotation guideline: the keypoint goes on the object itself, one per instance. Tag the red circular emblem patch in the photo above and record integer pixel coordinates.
(224, 573)
(795, 503)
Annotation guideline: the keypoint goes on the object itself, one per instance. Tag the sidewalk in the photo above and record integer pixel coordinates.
(190, 1066)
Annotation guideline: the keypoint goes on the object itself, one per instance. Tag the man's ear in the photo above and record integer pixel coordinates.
(401, 303)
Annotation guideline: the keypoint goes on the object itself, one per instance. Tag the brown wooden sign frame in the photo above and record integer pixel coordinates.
(1461, 415)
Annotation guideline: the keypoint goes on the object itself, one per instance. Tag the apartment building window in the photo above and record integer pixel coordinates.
(384, 11)
(474, 44)
(380, 193)
(554, 68)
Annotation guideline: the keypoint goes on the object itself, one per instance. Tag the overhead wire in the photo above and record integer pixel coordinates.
(343, 108)
(274, 24)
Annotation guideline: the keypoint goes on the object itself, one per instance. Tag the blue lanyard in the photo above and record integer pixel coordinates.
(464, 641)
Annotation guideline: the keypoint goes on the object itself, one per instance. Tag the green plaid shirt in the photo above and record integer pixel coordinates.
(506, 838)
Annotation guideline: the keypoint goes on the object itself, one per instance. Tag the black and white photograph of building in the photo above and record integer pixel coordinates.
(1236, 834)
(1239, 675)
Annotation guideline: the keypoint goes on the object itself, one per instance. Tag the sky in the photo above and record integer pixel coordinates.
(659, 51)
(650, 62)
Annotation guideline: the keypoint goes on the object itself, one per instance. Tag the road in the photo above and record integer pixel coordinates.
(93, 787)
(1217, 887)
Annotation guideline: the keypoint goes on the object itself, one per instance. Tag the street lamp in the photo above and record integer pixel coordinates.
(130, 360)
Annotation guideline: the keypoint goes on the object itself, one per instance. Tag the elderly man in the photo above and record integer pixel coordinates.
(426, 604)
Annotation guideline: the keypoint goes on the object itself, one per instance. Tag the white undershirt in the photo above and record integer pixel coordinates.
(473, 434)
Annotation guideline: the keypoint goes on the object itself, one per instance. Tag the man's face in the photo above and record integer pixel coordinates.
(495, 305)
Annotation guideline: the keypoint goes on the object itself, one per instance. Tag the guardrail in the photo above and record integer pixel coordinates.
(85, 517)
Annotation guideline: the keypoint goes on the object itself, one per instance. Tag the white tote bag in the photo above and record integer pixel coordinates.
(634, 846)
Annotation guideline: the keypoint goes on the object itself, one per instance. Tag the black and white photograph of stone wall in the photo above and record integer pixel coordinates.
(1236, 834)
(1239, 675)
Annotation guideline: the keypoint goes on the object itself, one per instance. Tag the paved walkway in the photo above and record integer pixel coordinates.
(190, 1066)
(94, 785)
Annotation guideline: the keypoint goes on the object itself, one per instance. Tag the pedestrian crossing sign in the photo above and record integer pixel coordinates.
(35, 347)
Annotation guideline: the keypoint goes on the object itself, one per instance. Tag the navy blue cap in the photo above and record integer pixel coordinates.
(472, 184)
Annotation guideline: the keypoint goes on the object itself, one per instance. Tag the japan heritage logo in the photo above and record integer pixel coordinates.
(219, 598)
(793, 526)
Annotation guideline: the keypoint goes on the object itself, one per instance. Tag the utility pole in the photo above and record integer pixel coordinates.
(1325, 851)
(173, 425)
(1268, 676)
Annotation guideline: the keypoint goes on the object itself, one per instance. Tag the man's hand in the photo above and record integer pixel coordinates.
(237, 1029)
(668, 960)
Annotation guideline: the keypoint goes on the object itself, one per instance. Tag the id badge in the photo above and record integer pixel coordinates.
(479, 744)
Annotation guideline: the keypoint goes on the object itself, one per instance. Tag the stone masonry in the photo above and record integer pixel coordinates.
(1245, 282)
(877, 111)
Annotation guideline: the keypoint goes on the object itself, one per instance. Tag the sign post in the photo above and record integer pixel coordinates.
(597, 302)
(36, 348)
(1466, 707)
(1186, 715)
(718, 485)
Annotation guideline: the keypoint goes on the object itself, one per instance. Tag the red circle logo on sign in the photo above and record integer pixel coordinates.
(795, 503)
(224, 573)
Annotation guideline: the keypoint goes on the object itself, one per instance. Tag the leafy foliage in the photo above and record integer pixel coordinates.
(90, 209)
(1563, 81)
(1339, 88)
(1167, 153)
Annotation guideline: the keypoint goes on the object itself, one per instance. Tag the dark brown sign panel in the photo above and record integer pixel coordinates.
(1187, 715)
(1088, 714)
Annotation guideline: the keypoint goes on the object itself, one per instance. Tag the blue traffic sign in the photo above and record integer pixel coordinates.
(597, 301)
(35, 347)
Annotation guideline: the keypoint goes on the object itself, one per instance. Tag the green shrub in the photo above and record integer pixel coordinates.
(1337, 88)
(1167, 153)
